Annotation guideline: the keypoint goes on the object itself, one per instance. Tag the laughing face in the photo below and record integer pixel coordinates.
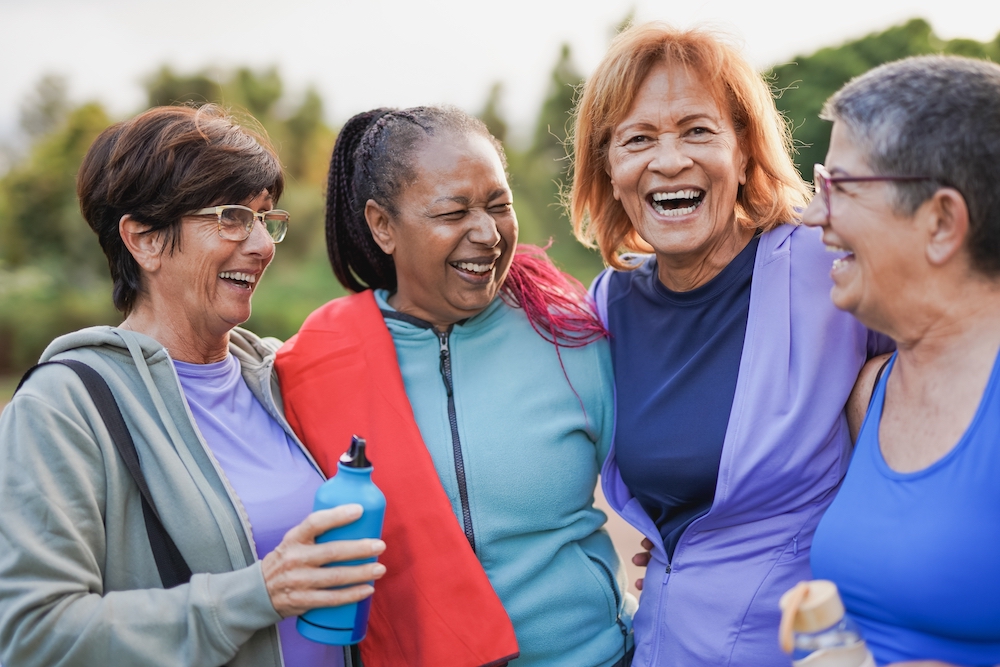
(454, 233)
(676, 166)
(207, 281)
(875, 247)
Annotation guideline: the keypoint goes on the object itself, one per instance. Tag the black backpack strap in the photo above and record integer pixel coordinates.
(169, 562)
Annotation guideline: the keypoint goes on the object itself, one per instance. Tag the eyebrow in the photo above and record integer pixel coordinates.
(465, 201)
(682, 121)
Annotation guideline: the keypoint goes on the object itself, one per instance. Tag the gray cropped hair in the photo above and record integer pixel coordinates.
(935, 116)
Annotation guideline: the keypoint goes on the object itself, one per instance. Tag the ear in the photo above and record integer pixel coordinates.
(380, 223)
(947, 219)
(145, 247)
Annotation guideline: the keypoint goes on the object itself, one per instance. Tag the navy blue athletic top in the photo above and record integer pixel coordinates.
(676, 357)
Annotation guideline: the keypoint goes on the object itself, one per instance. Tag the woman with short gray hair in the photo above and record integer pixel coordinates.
(908, 198)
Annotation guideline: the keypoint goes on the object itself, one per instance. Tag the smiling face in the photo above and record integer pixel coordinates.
(453, 237)
(879, 249)
(206, 283)
(676, 166)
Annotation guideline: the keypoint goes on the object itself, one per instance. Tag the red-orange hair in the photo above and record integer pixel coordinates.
(773, 191)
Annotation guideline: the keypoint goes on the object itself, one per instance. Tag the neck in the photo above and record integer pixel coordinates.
(952, 324)
(687, 272)
(185, 341)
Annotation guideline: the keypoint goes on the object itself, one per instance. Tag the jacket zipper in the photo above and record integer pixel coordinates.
(618, 603)
(456, 443)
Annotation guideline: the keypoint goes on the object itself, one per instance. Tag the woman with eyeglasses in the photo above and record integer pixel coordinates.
(731, 369)
(182, 201)
(909, 201)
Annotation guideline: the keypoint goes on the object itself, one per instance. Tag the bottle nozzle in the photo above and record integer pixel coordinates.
(355, 456)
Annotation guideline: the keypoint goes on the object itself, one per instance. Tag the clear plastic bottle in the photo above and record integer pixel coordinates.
(816, 630)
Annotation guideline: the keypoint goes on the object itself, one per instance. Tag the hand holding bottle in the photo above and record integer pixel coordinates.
(295, 573)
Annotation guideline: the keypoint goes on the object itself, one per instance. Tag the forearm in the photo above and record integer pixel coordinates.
(200, 623)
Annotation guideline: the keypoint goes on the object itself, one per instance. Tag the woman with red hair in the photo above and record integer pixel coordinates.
(732, 368)
(482, 380)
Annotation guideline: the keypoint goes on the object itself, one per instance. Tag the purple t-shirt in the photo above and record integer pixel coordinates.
(272, 477)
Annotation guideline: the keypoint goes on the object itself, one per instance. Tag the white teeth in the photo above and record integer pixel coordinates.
(242, 277)
(840, 263)
(680, 194)
(833, 248)
(474, 268)
(675, 212)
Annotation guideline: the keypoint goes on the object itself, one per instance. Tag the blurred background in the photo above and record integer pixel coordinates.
(301, 68)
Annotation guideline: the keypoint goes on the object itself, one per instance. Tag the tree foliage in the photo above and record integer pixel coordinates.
(53, 276)
(805, 83)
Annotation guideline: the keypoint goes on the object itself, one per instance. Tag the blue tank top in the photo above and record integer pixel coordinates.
(917, 555)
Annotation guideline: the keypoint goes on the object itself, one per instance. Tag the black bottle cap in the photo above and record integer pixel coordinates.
(355, 456)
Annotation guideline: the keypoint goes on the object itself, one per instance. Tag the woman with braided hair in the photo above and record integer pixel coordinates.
(482, 380)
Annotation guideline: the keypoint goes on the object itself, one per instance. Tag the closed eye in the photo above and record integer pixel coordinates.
(501, 208)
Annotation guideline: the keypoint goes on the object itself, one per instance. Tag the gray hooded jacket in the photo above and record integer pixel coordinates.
(78, 583)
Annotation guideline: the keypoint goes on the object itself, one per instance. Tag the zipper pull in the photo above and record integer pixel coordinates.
(445, 365)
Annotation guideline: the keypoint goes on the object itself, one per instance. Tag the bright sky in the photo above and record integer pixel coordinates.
(366, 53)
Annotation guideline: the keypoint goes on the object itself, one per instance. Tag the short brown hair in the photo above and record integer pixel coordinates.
(160, 166)
(774, 192)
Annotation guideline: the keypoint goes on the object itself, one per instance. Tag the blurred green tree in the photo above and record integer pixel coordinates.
(539, 173)
(805, 83)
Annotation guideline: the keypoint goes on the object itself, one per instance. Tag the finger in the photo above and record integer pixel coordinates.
(646, 544)
(319, 522)
(298, 602)
(641, 559)
(343, 575)
(638, 584)
(339, 551)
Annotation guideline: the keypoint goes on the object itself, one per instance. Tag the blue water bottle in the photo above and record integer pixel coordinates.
(347, 624)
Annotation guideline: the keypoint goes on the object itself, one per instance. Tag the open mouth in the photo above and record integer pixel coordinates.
(840, 262)
(674, 204)
(474, 268)
(243, 280)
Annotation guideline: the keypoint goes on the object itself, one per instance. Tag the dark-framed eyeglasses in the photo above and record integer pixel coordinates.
(236, 221)
(822, 180)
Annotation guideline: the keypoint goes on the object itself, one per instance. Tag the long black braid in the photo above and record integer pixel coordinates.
(373, 159)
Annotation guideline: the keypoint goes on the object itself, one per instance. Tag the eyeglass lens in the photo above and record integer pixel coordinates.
(237, 223)
(821, 186)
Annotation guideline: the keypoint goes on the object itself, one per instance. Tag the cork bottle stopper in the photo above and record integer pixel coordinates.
(809, 607)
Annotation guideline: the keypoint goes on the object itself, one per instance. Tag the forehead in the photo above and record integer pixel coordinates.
(845, 155)
(671, 87)
(450, 159)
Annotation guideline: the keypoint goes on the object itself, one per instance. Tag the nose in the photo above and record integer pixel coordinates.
(669, 158)
(259, 243)
(815, 213)
(483, 229)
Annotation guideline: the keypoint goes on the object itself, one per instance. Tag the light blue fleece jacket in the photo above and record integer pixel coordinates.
(530, 455)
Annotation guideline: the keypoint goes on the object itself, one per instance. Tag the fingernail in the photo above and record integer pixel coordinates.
(378, 546)
(353, 508)
(378, 569)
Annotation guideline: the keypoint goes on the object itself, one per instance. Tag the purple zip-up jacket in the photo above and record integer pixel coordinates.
(785, 452)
